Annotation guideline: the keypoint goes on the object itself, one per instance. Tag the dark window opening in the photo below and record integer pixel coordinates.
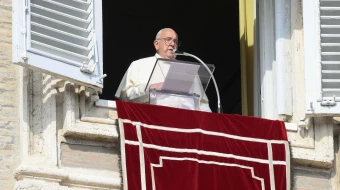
(209, 30)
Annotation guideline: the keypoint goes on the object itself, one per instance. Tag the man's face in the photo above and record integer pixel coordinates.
(166, 43)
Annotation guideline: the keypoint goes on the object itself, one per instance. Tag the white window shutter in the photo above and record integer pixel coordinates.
(321, 21)
(60, 37)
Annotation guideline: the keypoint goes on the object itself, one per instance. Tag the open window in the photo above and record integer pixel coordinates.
(60, 37)
(131, 26)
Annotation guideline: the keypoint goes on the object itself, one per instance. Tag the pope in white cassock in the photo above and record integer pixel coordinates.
(132, 86)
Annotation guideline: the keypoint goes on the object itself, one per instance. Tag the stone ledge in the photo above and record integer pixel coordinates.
(64, 177)
(311, 157)
(92, 131)
(291, 126)
(42, 172)
(106, 104)
(101, 115)
(317, 163)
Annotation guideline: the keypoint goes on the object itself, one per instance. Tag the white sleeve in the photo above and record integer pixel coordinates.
(133, 87)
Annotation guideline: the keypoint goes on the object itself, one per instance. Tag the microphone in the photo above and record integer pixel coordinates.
(176, 52)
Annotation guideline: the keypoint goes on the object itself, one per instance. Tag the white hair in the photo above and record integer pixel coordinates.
(158, 35)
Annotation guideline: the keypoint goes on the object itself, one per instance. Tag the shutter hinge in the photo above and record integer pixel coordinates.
(328, 101)
(310, 107)
(100, 80)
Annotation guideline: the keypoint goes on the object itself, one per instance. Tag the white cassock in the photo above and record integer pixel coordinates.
(132, 87)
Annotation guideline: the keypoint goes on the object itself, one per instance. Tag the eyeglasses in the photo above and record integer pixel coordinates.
(168, 41)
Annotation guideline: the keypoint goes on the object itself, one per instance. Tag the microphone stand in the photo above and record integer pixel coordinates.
(176, 52)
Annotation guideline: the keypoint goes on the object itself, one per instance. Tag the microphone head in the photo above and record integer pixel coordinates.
(176, 52)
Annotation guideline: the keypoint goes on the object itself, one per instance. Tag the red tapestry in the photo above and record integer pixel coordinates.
(166, 148)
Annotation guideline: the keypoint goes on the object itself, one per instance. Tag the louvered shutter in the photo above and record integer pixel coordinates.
(322, 56)
(60, 37)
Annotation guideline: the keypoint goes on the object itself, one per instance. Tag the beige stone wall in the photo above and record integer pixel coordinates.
(309, 178)
(89, 156)
(9, 101)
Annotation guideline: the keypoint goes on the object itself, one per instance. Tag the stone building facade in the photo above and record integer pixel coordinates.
(55, 134)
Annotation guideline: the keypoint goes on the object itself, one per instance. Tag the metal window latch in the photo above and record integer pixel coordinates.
(328, 101)
(89, 67)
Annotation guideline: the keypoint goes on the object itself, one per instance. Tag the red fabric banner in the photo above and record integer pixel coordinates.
(166, 148)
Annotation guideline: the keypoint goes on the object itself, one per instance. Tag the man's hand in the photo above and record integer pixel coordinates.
(157, 86)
